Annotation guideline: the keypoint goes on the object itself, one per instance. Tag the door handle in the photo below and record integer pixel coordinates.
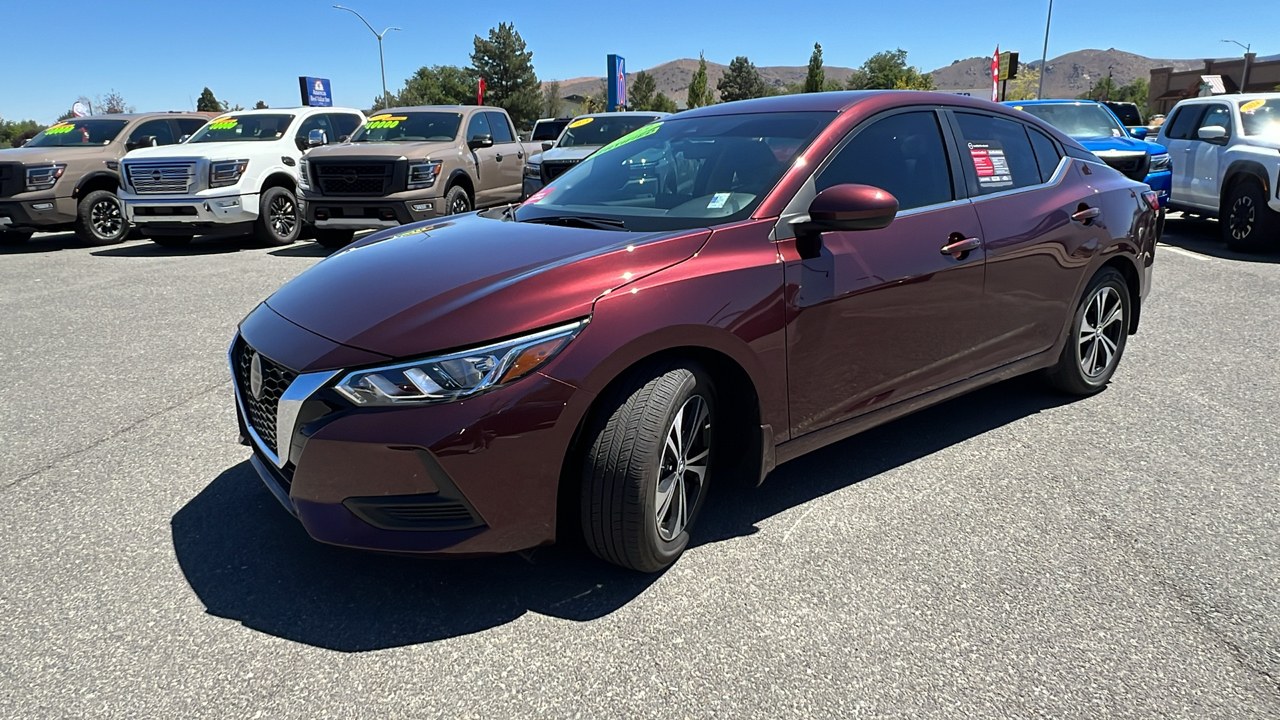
(499, 157)
(958, 248)
(520, 156)
(1086, 215)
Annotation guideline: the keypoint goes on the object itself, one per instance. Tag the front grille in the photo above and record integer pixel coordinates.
(552, 169)
(261, 411)
(1132, 165)
(11, 179)
(153, 178)
(352, 178)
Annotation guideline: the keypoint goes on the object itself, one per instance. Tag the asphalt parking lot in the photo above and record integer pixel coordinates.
(1010, 553)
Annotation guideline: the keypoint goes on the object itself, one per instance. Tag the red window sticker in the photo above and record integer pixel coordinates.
(538, 196)
(990, 164)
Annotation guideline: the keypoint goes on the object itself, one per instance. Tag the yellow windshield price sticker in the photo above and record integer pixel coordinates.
(1252, 106)
(645, 131)
(580, 122)
(60, 129)
(384, 121)
(223, 123)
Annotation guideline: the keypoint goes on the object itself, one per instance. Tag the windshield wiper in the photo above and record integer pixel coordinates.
(585, 221)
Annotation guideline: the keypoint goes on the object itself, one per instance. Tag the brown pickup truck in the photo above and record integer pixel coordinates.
(410, 164)
(66, 177)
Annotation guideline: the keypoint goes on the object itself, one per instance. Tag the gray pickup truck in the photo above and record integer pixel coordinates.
(409, 164)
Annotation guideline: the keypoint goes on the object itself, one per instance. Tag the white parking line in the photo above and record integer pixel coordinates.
(1180, 251)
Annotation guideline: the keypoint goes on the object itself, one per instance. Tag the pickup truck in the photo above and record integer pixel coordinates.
(66, 178)
(409, 164)
(584, 135)
(236, 175)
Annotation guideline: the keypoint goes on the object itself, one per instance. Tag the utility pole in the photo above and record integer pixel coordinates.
(1110, 82)
(1244, 78)
(1044, 57)
(386, 99)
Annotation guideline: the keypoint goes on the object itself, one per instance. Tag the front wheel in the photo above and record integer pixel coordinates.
(1248, 225)
(457, 201)
(1098, 334)
(331, 238)
(278, 220)
(646, 467)
(100, 219)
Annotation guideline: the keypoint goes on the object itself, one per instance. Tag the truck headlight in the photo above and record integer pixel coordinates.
(1161, 163)
(533, 170)
(227, 172)
(458, 375)
(423, 174)
(304, 174)
(44, 176)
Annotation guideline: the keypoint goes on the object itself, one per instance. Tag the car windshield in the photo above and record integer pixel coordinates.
(679, 173)
(243, 128)
(1084, 120)
(410, 126)
(79, 132)
(547, 130)
(601, 130)
(1261, 117)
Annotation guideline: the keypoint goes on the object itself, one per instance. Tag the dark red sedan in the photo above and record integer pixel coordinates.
(712, 295)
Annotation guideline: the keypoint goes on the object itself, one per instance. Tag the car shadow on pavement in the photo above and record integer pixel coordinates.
(1204, 237)
(248, 561)
(304, 250)
(43, 244)
(198, 246)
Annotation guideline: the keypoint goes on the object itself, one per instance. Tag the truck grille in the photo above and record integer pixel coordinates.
(161, 178)
(1132, 165)
(11, 179)
(261, 411)
(552, 169)
(353, 179)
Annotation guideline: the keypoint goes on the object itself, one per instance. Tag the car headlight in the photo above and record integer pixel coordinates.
(455, 376)
(227, 172)
(43, 177)
(533, 170)
(1161, 163)
(304, 174)
(423, 174)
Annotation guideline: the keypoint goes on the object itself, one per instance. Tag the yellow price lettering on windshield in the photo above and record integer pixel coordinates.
(223, 123)
(645, 131)
(1252, 106)
(580, 122)
(385, 120)
(60, 129)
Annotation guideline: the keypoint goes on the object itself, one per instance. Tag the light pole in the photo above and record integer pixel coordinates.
(386, 99)
(1110, 82)
(1044, 57)
(1244, 77)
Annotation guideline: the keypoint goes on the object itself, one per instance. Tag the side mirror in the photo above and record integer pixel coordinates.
(343, 138)
(1139, 133)
(480, 141)
(547, 144)
(142, 142)
(850, 207)
(184, 138)
(316, 138)
(1215, 134)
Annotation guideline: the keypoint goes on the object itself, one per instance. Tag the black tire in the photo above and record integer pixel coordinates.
(14, 238)
(627, 458)
(1248, 225)
(172, 241)
(279, 221)
(457, 201)
(331, 238)
(100, 219)
(1089, 346)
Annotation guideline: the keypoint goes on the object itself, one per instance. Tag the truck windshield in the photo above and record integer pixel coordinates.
(1261, 117)
(243, 128)
(602, 129)
(79, 131)
(678, 173)
(408, 126)
(1082, 121)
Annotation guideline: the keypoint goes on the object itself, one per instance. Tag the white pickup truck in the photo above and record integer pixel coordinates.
(236, 175)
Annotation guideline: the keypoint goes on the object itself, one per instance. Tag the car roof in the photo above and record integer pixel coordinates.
(1048, 101)
(419, 108)
(293, 110)
(623, 113)
(1241, 97)
(833, 102)
(136, 115)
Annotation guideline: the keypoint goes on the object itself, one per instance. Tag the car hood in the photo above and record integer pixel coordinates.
(469, 280)
(389, 150)
(42, 155)
(1119, 144)
(252, 148)
(577, 152)
(1265, 141)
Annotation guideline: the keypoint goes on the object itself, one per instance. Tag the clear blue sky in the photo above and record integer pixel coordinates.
(160, 53)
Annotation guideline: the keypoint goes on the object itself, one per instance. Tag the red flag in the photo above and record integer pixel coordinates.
(480, 92)
(995, 76)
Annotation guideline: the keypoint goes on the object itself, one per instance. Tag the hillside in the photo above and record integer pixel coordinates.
(1067, 76)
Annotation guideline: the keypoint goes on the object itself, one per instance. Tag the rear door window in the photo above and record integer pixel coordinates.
(903, 154)
(999, 153)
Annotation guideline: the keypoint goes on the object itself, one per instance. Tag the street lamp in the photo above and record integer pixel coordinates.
(1244, 77)
(1044, 58)
(385, 97)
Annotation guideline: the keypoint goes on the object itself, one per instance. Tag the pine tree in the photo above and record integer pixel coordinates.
(260, 105)
(699, 94)
(815, 80)
(662, 103)
(208, 103)
(507, 68)
(741, 82)
(642, 91)
(553, 104)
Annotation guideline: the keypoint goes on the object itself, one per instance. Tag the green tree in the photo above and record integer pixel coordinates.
(15, 132)
(114, 104)
(507, 68)
(741, 81)
(66, 116)
(440, 85)
(1024, 87)
(889, 70)
(816, 79)
(209, 103)
(699, 94)
(260, 105)
(552, 103)
(642, 92)
(662, 103)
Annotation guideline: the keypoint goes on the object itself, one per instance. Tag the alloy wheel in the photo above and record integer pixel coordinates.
(105, 218)
(1241, 219)
(682, 472)
(1101, 328)
(459, 205)
(283, 215)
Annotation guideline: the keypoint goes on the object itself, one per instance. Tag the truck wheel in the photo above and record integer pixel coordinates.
(100, 219)
(331, 238)
(14, 238)
(172, 241)
(457, 201)
(278, 220)
(1248, 225)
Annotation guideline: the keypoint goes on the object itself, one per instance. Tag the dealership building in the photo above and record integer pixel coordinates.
(1217, 77)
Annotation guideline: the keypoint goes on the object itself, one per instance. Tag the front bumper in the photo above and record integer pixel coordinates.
(1162, 184)
(195, 214)
(35, 214)
(529, 187)
(473, 477)
(367, 213)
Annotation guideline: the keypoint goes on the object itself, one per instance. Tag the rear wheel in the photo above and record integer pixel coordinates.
(457, 201)
(14, 238)
(278, 220)
(1098, 334)
(334, 238)
(172, 241)
(1248, 225)
(646, 464)
(100, 219)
